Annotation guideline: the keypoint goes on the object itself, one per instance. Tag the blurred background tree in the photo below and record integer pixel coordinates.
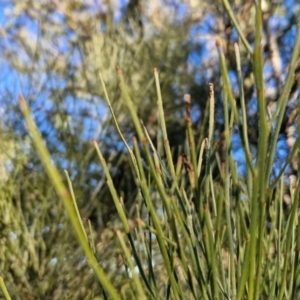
(52, 52)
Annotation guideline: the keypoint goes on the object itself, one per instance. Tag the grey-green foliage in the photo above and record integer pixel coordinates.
(57, 50)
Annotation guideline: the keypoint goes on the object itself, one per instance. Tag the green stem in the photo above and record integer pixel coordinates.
(66, 198)
(237, 26)
(4, 289)
(254, 280)
(282, 102)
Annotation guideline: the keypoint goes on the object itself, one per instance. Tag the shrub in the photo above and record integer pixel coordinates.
(197, 235)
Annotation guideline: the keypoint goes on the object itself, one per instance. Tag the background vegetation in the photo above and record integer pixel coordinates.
(244, 147)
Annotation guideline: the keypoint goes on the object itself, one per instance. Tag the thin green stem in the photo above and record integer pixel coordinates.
(66, 199)
(4, 289)
(282, 102)
(117, 126)
(112, 189)
(237, 26)
(74, 203)
(154, 217)
(290, 238)
(138, 284)
(254, 280)
(163, 126)
(244, 126)
(191, 139)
